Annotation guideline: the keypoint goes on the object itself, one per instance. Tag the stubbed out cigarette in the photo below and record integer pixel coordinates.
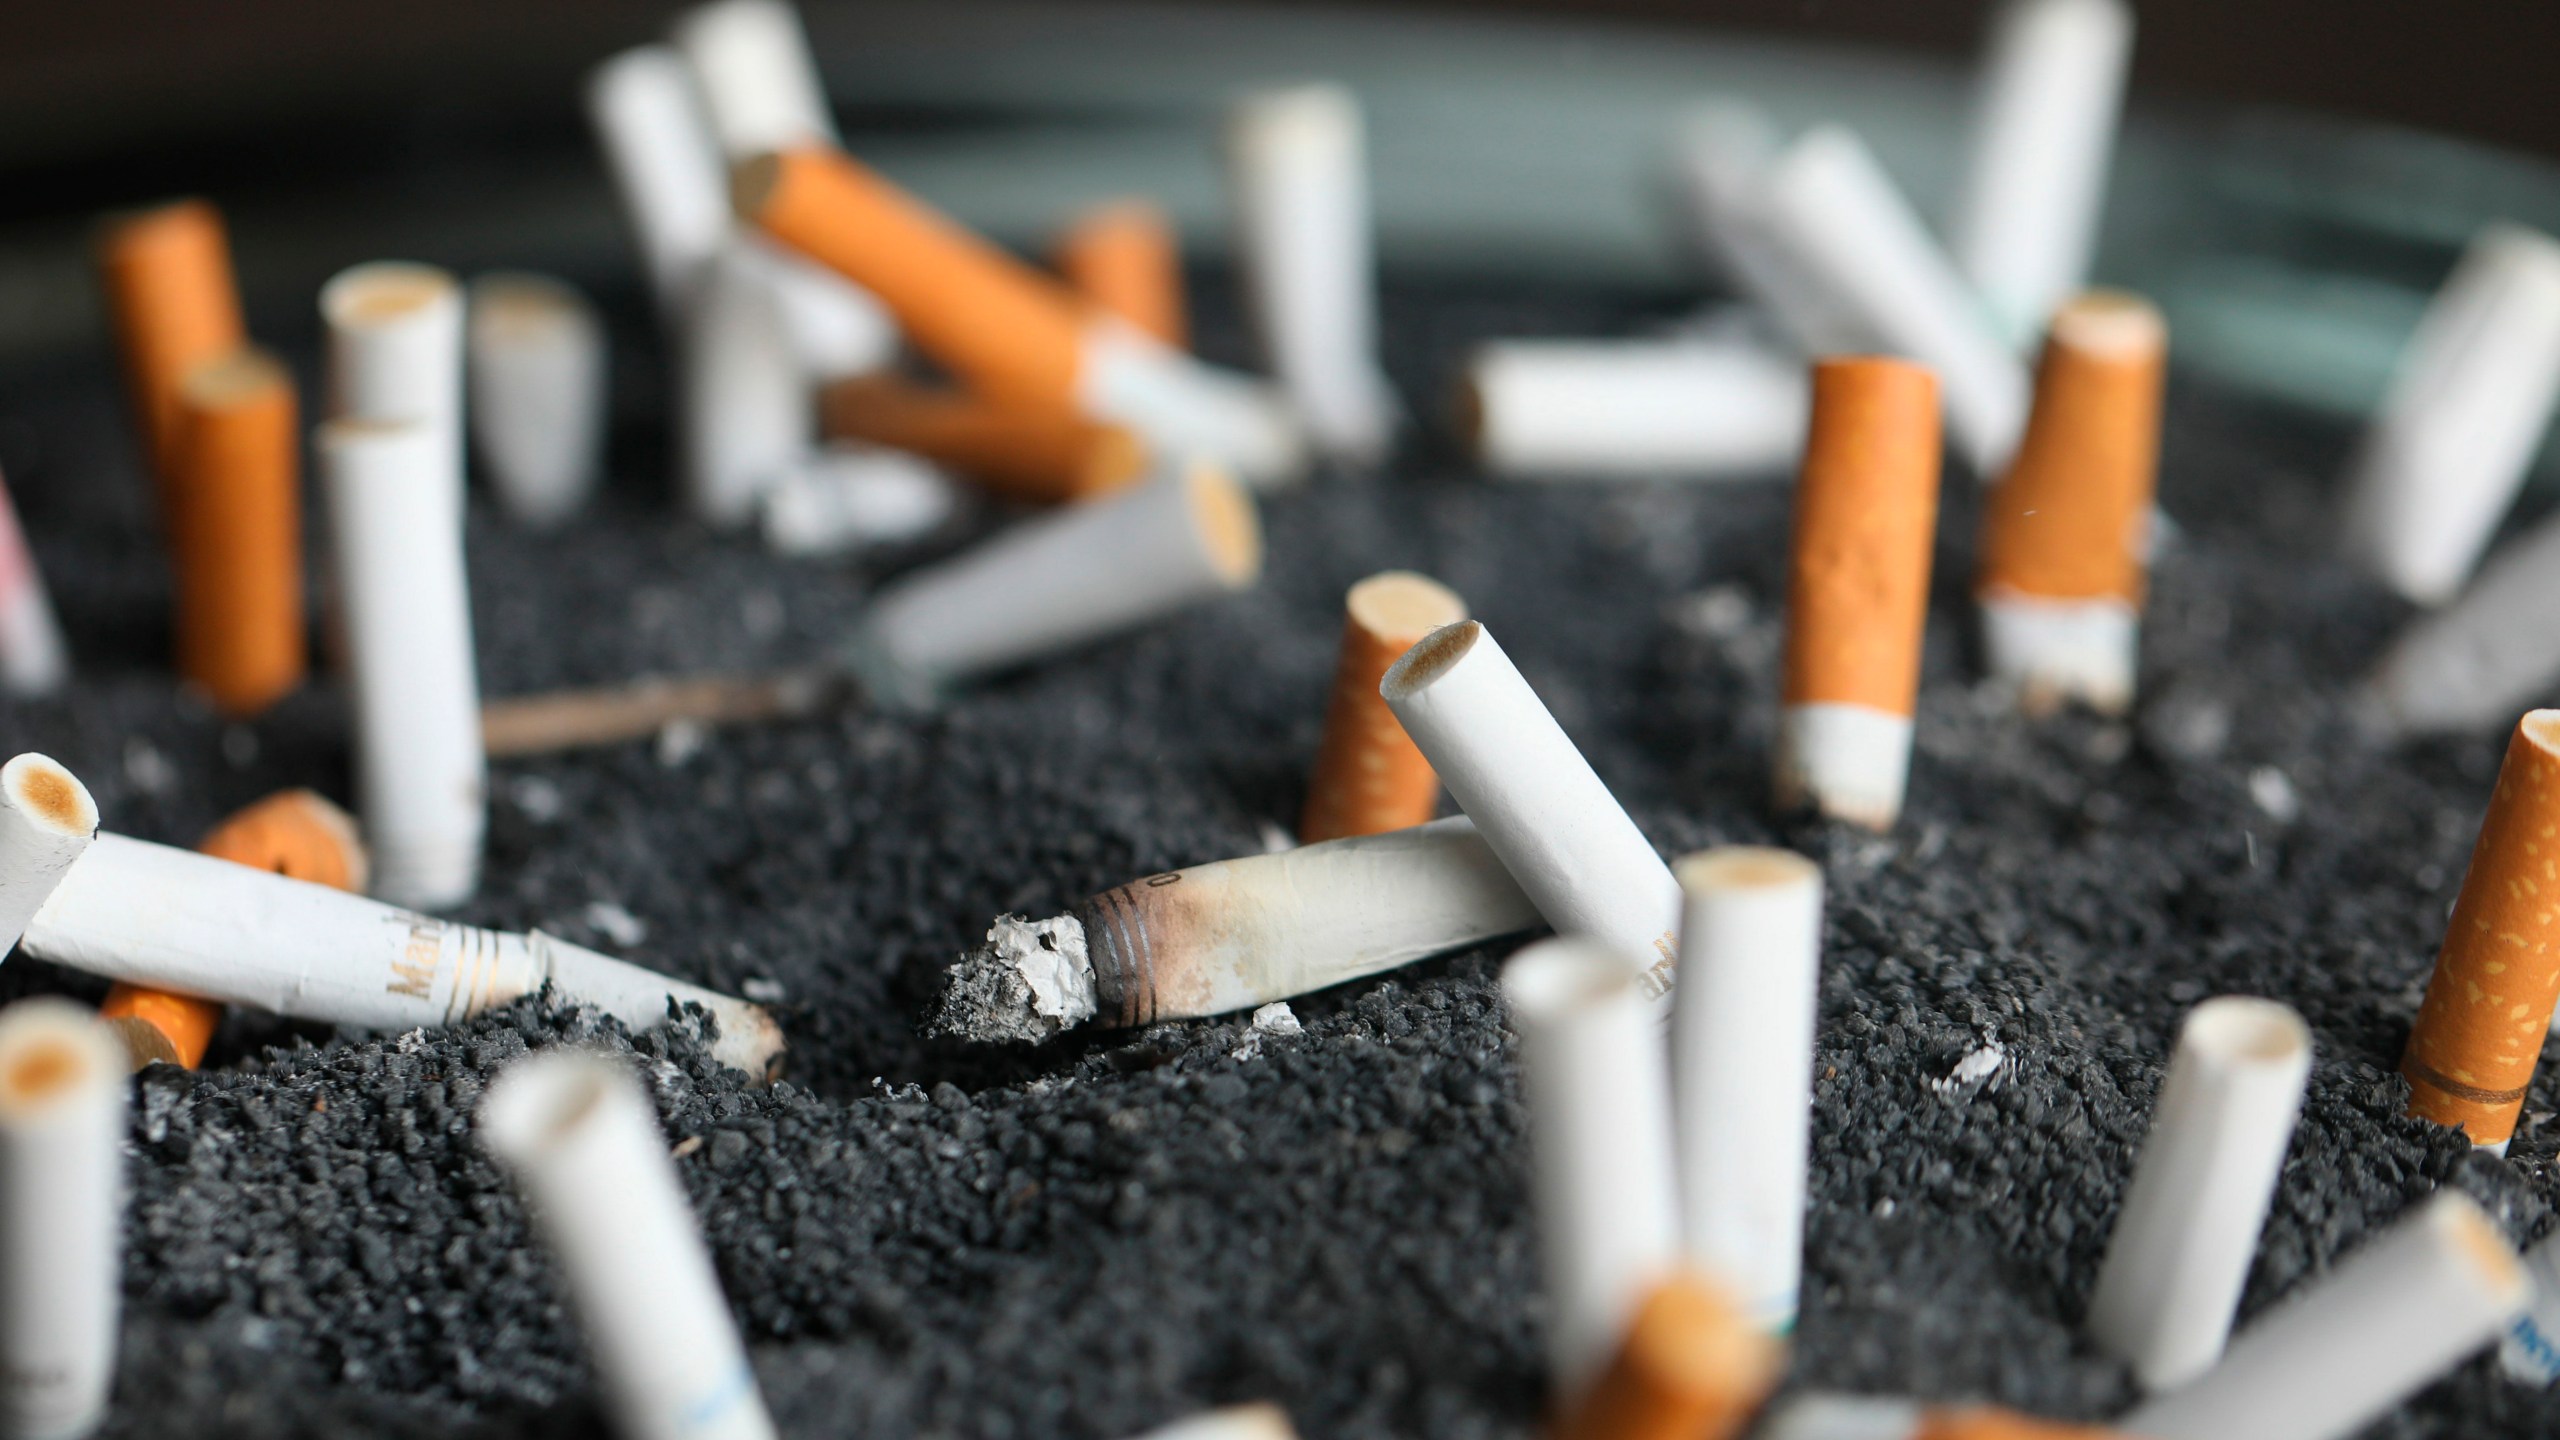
(2489, 1001)
(537, 368)
(1059, 581)
(2468, 404)
(395, 355)
(666, 168)
(61, 1218)
(46, 822)
(843, 498)
(2334, 1356)
(1722, 152)
(747, 415)
(545, 724)
(1711, 407)
(758, 80)
(2063, 532)
(1368, 776)
(34, 658)
(2189, 1228)
(1858, 590)
(235, 533)
(1691, 1366)
(1041, 456)
(1742, 1068)
(577, 1132)
(1858, 1417)
(175, 305)
(1591, 1071)
(1235, 1422)
(1541, 807)
(2482, 658)
(1233, 934)
(1125, 257)
(2044, 129)
(421, 778)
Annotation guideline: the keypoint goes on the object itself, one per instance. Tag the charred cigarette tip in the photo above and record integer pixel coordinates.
(51, 1051)
(1031, 980)
(40, 788)
(1429, 659)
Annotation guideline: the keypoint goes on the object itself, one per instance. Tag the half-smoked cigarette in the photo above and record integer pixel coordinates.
(235, 532)
(62, 1105)
(844, 498)
(1059, 581)
(175, 305)
(2347, 1347)
(1858, 589)
(2482, 658)
(537, 375)
(1125, 257)
(2489, 1001)
(34, 658)
(395, 354)
(1041, 456)
(47, 820)
(1541, 807)
(421, 778)
(577, 1132)
(1591, 1070)
(2189, 1228)
(747, 416)
(1742, 1068)
(1709, 407)
(666, 167)
(560, 720)
(1368, 776)
(1692, 1366)
(1234, 934)
(1235, 1422)
(171, 919)
(758, 80)
(1859, 1417)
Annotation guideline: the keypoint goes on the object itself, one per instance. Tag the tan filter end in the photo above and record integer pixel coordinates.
(1369, 777)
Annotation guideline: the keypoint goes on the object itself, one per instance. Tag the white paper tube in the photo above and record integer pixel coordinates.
(2349, 1346)
(836, 328)
(1541, 807)
(1185, 408)
(1236, 1422)
(1592, 1074)
(749, 413)
(421, 779)
(2468, 404)
(1722, 153)
(845, 498)
(1742, 1052)
(537, 373)
(2483, 659)
(2530, 1350)
(577, 1132)
(34, 659)
(759, 83)
(1060, 581)
(2180, 1253)
(171, 919)
(666, 167)
(1298, 187)
(1852, 761)
(395, 354)
(1842, 1417)
(46, 820)
(2082, 648)
(1710, 407)
(2044, 131)
(62, 1104)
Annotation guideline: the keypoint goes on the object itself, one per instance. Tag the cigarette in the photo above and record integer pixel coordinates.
(167, 272)
(171, 919)
(62, 1122)
(747, 417)
(1234, 934)
(34, 658)
(1591, 1072)
(1235, 1422)
(2334, 1356)
(421, 778)
(2489, 1001)
(1723, 151)
(577, 1133)
(47, 821)
(666, 168)
(2063, 533)
(1742, 1055)
(395, 355)
(2044, 130)
(537, 374)
(1709, 407)
(1692, 1366)
(2189, 1227)
(2530, 1350)
(1038, 456)
(1010, 333)
(1125, 257)
(844, 498)
(1858, 590)
(2456, 433)
(2480, 659)
(1368, 776)
(235, 533)
(1542, 808)
(561, 720)
(758, 80)
(1859, 1417)
(1059, 581)
(1298, 188)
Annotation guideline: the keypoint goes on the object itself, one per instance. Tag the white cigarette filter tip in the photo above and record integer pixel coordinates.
(62, 1104)
(2052, 650)
(1842, 1417)
(1850, 762)
(46, 820)
(1236, 1422)
(673, 184)
(395, 355)
(759, 82)
(749, 414)
(2483, 659)
(846, 498)
(537, 374)
(1185, 408)
(1711, 407)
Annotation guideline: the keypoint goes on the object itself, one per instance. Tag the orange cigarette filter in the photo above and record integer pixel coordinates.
(175, 305)
(1125, 257)
(292, 832)
(1986, 1423)
(2069, 520)
(235, 533)
(1866, 513)
(1691, 1367)
(2489, 1002)
(1369, 777)
(1037, 455)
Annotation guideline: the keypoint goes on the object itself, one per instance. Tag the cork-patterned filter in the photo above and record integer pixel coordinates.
(1691, 1367)
(1368, 775)
(1866, 513)
(1043, 456)
(1124, 257)
(170, 289)
(2488, 1005)
(235, 532)
(2067, 522)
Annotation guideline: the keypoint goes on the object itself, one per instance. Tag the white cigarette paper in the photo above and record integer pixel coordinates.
(844, 498)
(34, 658)
(2530, 1350)
(665, 166)
(577, 1132)
(2180, 1253)
(1236, 1422)
(2352, 1344)
(62, 1106)
(421, 778)
(2483, 659)
(395, 354)
(1843, 1417)
(1722, 153)
(2084, 649)
(1851, 762)
(1591, 1071)
(1709, 407)
(1185, 408)
(46, 820)
(758, 80)
(537, 377)
(749, 413)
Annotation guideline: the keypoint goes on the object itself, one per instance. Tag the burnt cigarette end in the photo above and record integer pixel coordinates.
(1428, 660)
(50, 795)
(1031, 980)
(46, 1067)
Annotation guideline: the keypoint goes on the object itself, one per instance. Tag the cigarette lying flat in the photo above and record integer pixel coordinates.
(47, 821)
(579, 719)
(1234, 934)
(1032, 455)
(170, 290)
(62, 1122)
(1368, 776)
(234, 520)
(395, 355)
(1691, 1366)
(1858, 590)
(1722, 152)
(1857, 1417)
(34, 658)
(1125, 257)
(2530, 1350)
(2482, 658)
(666, 168)
(537, 373)
(747, 414)
(1236, 1422)
(843, 498)
(577, 1132)
(2064, 531)
(1710, 407)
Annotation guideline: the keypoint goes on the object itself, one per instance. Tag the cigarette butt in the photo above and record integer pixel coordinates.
(47, 820)
(1708, 407)
(2489, 1002)
(759, 82)
(666, 168)
(1368, 775)
(581, 719)
(1691, 1367)
(235, 533)
(1857, 1417)
(747, 415)
(846, 498)
(62, 1126)
(1724, 150)
(537, 378)
(1235, 1422)
(175, 304)
(34, 659)
(395, 356)
(1020, 454)
(2061, 583)
(1125, 257)
(1858, 589)
(2480, 659)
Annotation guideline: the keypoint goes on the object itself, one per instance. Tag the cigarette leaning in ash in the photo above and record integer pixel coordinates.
(1030, 981)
